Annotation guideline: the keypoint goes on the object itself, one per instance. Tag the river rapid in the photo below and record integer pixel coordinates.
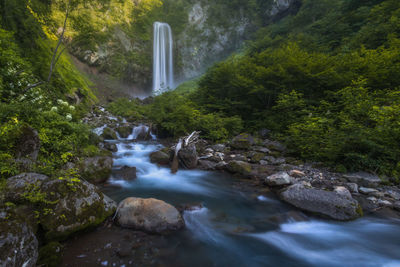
(231, 225)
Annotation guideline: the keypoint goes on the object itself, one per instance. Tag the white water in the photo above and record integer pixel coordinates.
(163, 65)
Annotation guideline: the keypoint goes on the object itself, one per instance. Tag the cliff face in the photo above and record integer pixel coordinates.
(206, 32)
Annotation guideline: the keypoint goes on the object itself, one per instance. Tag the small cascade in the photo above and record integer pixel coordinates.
(142, 132)
(163, 66)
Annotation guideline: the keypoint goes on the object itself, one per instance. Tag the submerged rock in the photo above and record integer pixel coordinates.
(96, 169)
(126, 173)
(279, 179)
(239, 167)
(151, 215)
(18, 244)
(321, 202)
(159, 157)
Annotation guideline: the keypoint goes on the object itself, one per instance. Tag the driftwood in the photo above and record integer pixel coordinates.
(182, 143)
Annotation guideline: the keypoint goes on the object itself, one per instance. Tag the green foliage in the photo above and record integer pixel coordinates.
(129, 109)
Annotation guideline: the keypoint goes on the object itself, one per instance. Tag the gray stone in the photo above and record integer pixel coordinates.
(279, 179)
(261, 149)
(16, 185)
(188, 157)
(384, 203)
(341, 190)
(275, 161)
(366, 191)
(274, 145)
(396, 205)
(219, 147)
(207, 165)
(151, 215)
(321, 202)
(96, 169)
(363, 179)
(353, 187)
(18, 244)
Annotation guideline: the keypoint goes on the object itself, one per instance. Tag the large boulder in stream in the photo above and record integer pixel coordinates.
(126, 173)
(159, 157)
(67, 204)
(18, 243)
(124, 131)
(332, 204)
(188, 158)
(150, 215)
(109, 134)
(96, 169)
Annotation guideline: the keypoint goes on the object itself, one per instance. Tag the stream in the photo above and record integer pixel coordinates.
(232, 227)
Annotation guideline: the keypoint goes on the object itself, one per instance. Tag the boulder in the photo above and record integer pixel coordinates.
(353, 187)
(16, 186)
(207, 165)
(363, 179)
(274, 145)
(150, 215)
(367, 191)
(28, 144)
(142, 133)
(242, 141)
(396, 205)
(96, 169)
(188, 157)
(279, 179)
(109, 134)
(110, 147)
(126, 173)
(18, 243)
(159, 157)
(239, 167)
(325, 203)
(78, 206)
(124, 131)
(341, 190)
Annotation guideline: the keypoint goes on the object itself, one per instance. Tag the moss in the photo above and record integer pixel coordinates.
(50, 255)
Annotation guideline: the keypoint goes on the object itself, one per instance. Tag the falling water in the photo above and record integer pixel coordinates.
(163, 69)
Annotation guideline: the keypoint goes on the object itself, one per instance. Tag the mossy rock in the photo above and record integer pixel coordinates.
(257, 157)
(239, 167)
(109, 134)
(96, 169)
(50, 255)
(159, 157)
(79, 205)
(243, 141)
(124, 131)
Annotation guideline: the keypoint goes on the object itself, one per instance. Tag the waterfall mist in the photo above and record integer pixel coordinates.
(163, 67)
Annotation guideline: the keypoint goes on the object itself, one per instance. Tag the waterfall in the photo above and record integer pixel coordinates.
(163, 69)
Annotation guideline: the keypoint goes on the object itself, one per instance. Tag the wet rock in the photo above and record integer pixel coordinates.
(396, 205)
(126, 173)
(28, 144)
(188, 157)
(219, 147)
(239, 167)
(207, 165)
(278, 179)
(297, 173)
(366, 190)
(289, 216)
(18, 244)
(124, 131)
(353, 187)
(110, 147)
(150, 215)
(274, 145)
(242, 141)
(321, 202)
(363, 179)
(109, 134)
(96, 169)
(142, 133)
(261, 149)
(159, 157)
(384, 203)
(221, 165)
(77, 206)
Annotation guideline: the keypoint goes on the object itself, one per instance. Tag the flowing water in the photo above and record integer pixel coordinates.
(163, 65)
(234, 227)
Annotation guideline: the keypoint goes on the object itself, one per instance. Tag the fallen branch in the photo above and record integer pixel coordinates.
(182, 143)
